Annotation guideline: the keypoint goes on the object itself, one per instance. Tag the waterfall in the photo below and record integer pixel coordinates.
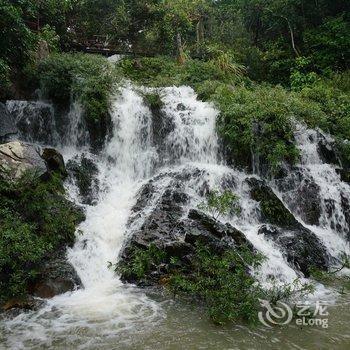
(131, 157)
(321, 183)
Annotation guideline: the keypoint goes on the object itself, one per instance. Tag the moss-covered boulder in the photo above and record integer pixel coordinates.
(36, 221)
(272, 208)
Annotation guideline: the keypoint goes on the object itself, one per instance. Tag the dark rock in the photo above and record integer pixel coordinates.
(35, 121)
(327, 149)
(345, 203)
(57, 276)
(7, 125)
(302, 194)
(83, 171)
(207, 224)
(162, 126)
(99, 130)
(168, 228)
(272, 209)
(344, 175)
(301, 247)
(54, 161)
(181, 107)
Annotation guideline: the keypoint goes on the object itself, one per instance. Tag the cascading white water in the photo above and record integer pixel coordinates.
(36, 120)
(333, 228)
(105, 307)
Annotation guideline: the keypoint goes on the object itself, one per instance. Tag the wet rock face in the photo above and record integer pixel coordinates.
(56, 276)
(302, 194)
(18, 157)
(162, 126)
(54, 161)
(327, 150)
(301, 247)
(83, 171)
(35, 121)
(273, 210)
(345, 204)
(7, 124)
(177, 233)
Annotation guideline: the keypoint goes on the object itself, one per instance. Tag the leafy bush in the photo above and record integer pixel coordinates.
(35, 221)
(221, 281)
(142, 261)
(164, 71)
(49, 34)
(257, 120)
(219, 204)
(85, 78)
(301, 76)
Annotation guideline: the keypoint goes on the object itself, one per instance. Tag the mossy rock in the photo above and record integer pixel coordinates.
(272, 209)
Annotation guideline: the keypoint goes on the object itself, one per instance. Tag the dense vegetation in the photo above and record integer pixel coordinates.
(266, 64)
(219, 280)
(232, 52)
(35, 221)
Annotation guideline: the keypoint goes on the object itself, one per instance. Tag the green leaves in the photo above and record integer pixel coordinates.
(219, 204)
(85, 78)
(257, 120)
(35, 220)
(223, 282)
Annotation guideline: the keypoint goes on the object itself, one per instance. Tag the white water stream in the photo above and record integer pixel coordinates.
(104, 308)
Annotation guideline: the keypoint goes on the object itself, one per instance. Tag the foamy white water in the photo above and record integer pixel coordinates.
(105, 307)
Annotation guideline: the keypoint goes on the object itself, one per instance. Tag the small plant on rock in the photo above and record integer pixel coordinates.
(219, 204)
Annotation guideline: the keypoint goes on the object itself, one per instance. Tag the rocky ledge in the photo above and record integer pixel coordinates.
(37, 222)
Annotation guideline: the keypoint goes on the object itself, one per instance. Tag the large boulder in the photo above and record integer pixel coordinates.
(301, 247)
(175, 231)
(327, 150)
(35, 121)
(57, 276)
(84, 173)
(302, 194)
(272, 209)
(18, 157)
(7, 124)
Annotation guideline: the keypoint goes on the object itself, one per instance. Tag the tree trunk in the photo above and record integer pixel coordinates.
(180, 51)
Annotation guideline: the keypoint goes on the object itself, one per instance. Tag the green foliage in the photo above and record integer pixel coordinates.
(48, 34)
(85, 78)
(219, 204)
(153, 99)
(257, 120)
(164, 71)
(142, 261)
(289, 291)
(222, 282)
(35, 221)
(330, 44)
(300, 77)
